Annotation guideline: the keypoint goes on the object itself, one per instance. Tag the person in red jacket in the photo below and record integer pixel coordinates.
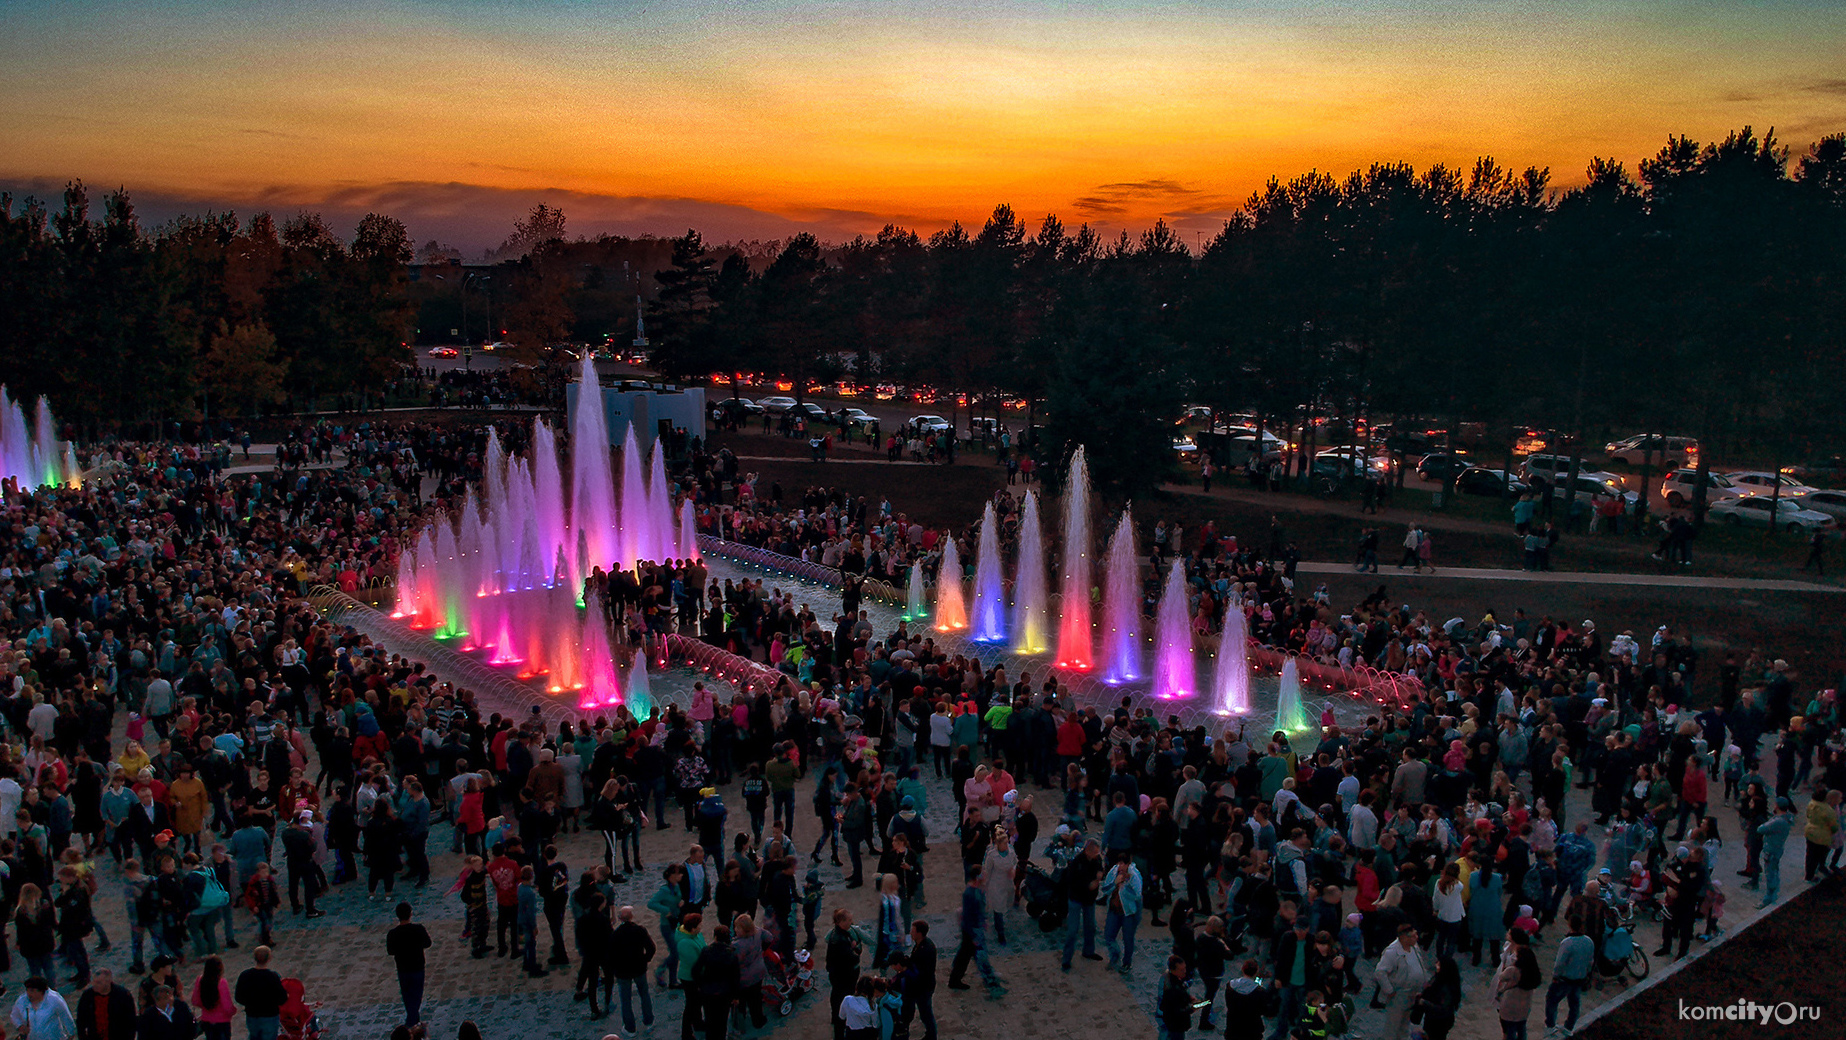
(504, 872)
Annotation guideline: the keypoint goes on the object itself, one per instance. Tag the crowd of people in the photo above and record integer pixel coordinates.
(188, 737)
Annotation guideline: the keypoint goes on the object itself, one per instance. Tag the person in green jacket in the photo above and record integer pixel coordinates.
(688, 944)
(669, 902)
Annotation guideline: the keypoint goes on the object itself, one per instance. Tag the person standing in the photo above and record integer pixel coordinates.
(1823, 824)
(106, 1011)
(211, 994)
(528, 913)
(920, 995)
(304, 875)
(715, 984)
(259, 991)
(1401, 974)
(1083, 878)
(415, 817)
(1773, 834)
(1175, 1010)
(406, 943)
(1121, 892)
(843, 952)
(165, 1018)
(41, 1013)
(631, 949)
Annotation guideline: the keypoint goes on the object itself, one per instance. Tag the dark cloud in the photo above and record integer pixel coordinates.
(1109, 200)
(1827, 86)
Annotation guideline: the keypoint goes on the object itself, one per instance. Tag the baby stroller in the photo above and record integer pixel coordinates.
(780, 986)
(1045, 902)
(298, 1018)
(1619, 958)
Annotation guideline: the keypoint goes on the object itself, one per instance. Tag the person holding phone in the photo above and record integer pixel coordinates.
(1176, 1004)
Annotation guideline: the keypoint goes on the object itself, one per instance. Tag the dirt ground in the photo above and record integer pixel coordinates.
(1792, 956)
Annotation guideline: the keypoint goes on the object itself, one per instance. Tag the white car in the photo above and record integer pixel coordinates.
(1764, 482)
(859, 417)
(1355, 457)
(777, 405)
(1832, 503)
(1757, 511)
(929, 424)
(1680, 484)
(1660, 450)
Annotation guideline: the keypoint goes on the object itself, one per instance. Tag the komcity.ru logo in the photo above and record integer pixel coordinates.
(1744, 1010)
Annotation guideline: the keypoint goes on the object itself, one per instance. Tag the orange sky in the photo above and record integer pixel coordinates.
(843, 116)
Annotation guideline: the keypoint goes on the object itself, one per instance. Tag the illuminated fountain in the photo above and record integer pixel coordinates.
(659, 504)
(640, 696)
(1121, 637)
(989, 620)
(1031, 610)
(1075, 638)
(592, 503)
(637, 539)
(915, 608)
(1231, 683)
(951, 600)
(688, 532)
(1174, 675)
(1291, 717)
(31, 455)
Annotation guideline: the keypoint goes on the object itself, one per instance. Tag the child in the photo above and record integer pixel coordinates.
(475, 891)
(1526, 921)
(262, 895)
(811, 893)
(1352, 943)
(1733, 771)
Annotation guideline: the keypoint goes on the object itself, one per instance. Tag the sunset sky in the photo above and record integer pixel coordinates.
(752, 120)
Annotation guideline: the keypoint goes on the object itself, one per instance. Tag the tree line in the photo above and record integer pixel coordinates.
(1700, 294)
(205, 316)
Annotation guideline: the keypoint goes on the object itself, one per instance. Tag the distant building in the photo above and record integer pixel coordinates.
(653, 409)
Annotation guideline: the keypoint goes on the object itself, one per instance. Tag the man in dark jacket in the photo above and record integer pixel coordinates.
(259, 990)
(631, 948)
(1175, 1001)
(105, 1011)
(920, 996)
(716, 982)
(167, 1019)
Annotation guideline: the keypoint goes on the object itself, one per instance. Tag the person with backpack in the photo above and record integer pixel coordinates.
(205, 896)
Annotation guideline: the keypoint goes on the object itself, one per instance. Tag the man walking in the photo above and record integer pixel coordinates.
(1083, 879)
(920, 995)
(973, 935)
(406, 943)
(1576, 959)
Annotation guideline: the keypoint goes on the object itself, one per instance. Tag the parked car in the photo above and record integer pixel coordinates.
(1785, 514)
(1441, 465)
(1832, 503)
(1358, 458)
(741, 407)
(1531, 441)
(1818, 471)
(1764, 483)
(1589, 485)
(814, 412)
(1554, 470)
(1476, 480)
(1680, 484)
(1666, 451)
(777, 405)
(859, 417)
(930, 424)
